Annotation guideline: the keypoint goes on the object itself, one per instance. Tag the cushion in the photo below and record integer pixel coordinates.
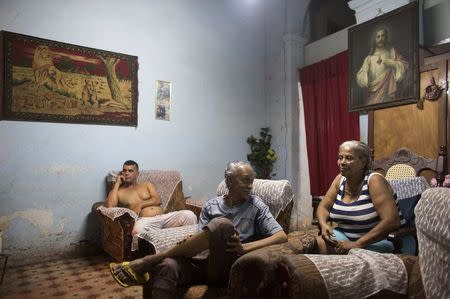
(409, 187)
(400, 171)
(407, 206)
(408, 192)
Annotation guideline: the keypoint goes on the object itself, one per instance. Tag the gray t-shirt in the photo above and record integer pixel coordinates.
(252, 218)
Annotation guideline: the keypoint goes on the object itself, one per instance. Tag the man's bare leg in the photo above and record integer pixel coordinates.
(188, 248)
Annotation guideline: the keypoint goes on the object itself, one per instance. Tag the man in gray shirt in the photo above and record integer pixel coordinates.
(230, 226)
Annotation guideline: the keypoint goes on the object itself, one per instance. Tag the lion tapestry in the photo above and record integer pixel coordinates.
(46, 80)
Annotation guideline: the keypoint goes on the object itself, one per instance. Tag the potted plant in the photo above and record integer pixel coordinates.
(261, 156)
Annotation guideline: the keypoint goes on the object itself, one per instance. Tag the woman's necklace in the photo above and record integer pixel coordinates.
(352, 194)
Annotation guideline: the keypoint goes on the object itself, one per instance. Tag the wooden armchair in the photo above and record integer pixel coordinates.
(117, 223)
(409, 175)
(404, 163)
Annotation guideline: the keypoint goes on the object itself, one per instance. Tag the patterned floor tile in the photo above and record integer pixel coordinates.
(87, 277)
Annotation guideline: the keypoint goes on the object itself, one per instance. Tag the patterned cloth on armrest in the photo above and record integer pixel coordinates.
(115, 212)
(361, 273)
(163, 239)
(277, 194)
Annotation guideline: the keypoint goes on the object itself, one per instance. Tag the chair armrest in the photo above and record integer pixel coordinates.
(402, 232)
(116, 235)
(255, 273)
(195, 204)
(97, 205)
(284, 217)
(177, 201)
(116, 212)
(315, 203)
(163, 239)
(396, 237)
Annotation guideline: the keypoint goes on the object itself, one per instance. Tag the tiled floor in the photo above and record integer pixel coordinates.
(69, 278)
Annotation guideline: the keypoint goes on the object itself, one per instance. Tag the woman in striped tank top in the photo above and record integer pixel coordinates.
(360, 202)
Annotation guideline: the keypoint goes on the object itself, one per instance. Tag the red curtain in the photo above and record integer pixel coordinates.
(327, 120)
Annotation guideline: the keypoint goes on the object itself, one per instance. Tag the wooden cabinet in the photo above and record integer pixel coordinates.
(421, 130)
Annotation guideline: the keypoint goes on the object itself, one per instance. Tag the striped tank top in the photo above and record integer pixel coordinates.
(357, 218)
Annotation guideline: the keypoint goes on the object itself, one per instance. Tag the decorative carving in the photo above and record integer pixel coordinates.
(419, 163)
(441, 165)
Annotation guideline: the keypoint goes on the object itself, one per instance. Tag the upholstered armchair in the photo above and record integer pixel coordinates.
(117, 223)
(277, 194)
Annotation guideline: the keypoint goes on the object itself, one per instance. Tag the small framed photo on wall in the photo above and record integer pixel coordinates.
(163, 99)
(383, 60)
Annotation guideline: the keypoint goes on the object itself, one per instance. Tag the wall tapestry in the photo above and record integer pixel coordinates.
(45, 80)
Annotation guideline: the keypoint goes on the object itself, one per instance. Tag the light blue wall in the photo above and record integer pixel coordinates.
(212, 51)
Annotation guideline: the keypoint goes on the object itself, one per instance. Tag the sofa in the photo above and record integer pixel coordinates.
(293, 275)
(428, 273)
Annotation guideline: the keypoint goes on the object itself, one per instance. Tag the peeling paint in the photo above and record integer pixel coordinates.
(42, 219)
(61, 225)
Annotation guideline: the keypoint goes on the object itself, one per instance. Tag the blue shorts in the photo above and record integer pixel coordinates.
(383, 246)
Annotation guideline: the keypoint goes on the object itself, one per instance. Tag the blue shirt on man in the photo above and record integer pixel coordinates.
(252, 218)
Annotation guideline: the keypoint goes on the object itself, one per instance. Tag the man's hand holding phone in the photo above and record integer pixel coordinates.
(119, 178)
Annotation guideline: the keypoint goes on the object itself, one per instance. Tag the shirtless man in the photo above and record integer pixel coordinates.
(144, 200)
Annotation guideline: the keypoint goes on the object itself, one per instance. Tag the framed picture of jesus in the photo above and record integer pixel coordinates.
(383, 60)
